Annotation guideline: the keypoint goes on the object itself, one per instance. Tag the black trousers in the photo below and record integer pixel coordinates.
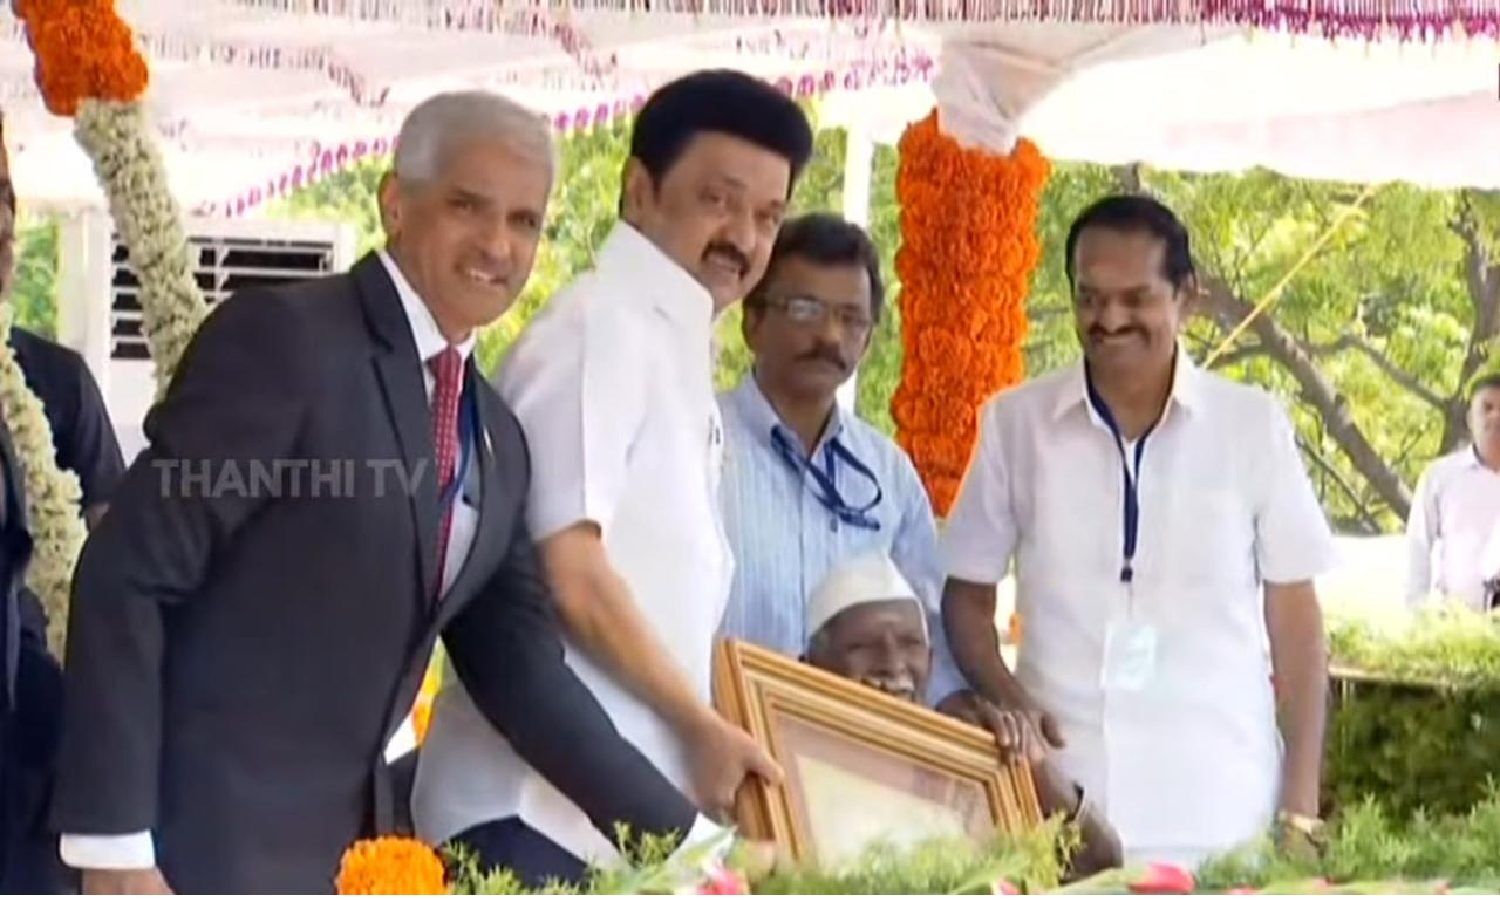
(514, 845)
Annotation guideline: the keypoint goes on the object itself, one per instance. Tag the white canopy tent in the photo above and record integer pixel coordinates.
(254, 97)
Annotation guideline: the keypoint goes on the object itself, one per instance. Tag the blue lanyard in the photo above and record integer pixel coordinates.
(1132, 482)
(825, 490)
(468, 427)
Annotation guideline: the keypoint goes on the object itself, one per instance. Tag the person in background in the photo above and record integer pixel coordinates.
(1165, 539)
(867, 624)
(807, 484)
(84, 443)
(613, 384)
(1453, 531)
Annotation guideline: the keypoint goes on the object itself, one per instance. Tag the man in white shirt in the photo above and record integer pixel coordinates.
(1455, 515)
(613, 385)
(1165, 538)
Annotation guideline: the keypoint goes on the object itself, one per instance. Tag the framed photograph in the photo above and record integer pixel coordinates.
(861, 766)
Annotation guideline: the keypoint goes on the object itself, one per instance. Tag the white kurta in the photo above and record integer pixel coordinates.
(1187, 763)
(613, 386)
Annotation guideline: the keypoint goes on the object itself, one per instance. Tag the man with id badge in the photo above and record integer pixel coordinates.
(808, 485)
(1165, 539)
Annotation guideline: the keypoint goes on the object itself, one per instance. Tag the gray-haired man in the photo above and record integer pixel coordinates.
(238, 660)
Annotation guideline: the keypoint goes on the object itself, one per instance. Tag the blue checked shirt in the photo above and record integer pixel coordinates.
(785, 541)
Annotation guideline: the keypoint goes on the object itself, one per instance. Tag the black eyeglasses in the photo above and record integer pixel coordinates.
(812, 311)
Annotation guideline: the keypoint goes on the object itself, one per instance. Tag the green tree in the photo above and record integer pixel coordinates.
(347, 196)
(35, 291)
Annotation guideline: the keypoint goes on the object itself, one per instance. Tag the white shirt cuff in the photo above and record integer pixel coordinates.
(116, 851)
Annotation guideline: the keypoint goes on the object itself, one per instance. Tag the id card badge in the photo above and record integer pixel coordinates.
(1129, 656)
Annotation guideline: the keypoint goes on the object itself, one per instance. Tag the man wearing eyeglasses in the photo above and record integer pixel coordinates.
(808, 485)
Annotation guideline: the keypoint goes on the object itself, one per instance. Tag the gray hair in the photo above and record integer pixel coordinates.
(435, 128)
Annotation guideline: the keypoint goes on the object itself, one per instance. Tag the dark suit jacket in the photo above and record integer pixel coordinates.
(242, 645)
(81, 429)
(24, 749)
(31, 714)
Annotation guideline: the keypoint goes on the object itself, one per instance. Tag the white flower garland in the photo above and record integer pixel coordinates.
(118, 138)
(53, 495)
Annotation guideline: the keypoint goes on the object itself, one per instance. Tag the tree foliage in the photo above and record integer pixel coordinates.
(35, 290)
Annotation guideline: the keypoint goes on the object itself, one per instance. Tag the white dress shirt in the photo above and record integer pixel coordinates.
(1455, 517)
(1183, 755)
(612, 383)
(136, 851)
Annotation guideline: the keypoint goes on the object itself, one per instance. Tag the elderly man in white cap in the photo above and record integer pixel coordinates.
(867, 624)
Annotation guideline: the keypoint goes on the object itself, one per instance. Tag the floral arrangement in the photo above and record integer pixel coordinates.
(1367, 852)
(87, 66)
(52, 494)
(83, 51)
(968, 247)
(117, 137)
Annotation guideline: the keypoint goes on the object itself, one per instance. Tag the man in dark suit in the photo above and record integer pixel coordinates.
(31, 706)
(81, 429)
(329, 487)
(82, 433)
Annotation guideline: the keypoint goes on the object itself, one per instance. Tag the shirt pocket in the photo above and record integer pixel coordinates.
(1212, 537)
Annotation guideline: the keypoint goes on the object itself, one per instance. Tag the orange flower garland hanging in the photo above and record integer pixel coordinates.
(968, 247)
(83, 51)
(391, 865)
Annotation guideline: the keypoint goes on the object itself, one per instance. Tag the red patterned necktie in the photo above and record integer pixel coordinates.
(447, 368)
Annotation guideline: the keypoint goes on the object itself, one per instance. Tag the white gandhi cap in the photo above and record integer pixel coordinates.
(865, 579)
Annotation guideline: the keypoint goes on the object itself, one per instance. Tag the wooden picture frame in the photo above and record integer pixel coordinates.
(857, 761)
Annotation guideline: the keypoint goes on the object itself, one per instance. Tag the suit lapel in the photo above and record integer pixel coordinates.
(400, 375)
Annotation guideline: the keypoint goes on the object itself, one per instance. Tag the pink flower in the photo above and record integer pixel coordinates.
(1001, 886)
(1242, 890)
(721, 880)
(1159, 878)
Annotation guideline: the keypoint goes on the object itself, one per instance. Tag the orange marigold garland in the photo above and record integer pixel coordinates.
(88, 67)
(391, 865)
(83, 51)
(968, 247)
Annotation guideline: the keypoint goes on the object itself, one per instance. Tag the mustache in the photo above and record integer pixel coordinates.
(729, 252)
(825, 353)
